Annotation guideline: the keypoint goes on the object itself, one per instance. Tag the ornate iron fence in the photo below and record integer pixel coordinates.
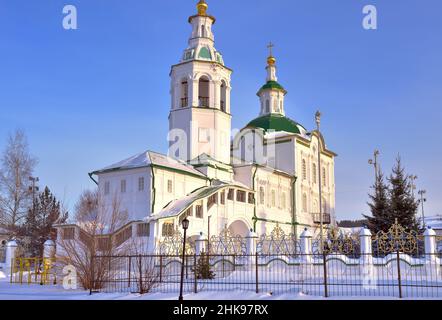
(173, 245)
(227, 243)
(277, 242)
(334, 275)
(397, 240)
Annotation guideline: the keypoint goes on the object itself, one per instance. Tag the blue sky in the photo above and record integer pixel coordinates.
(93, 96)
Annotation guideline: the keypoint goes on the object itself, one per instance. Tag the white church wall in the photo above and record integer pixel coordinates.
(133, 200)
(306, 188)
(181, 185)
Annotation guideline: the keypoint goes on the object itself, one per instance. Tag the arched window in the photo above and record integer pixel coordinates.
(304, 202)
(223, 96)
(184, 94)
(261, 195)
(203, 92)
(314, 173)
(273, 198)
(267, 106)
(324, 206)
(275, 105)
(203, 31)
(324, 177)
(304, 170)
(283, 201)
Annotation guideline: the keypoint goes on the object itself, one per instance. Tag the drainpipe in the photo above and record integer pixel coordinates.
(153, 190)
(92, 178)
(255, 218)
(294, 218)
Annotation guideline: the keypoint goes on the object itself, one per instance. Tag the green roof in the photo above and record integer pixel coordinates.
(276, 122)
(272, 85)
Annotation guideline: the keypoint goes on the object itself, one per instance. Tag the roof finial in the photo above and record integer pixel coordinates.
(271, 59)
(202, 7)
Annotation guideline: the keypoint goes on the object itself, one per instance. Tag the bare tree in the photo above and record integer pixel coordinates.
(97, 223)
(147, 269)
(17, 165)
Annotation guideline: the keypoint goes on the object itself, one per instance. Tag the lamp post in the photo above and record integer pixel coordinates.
(32, 189)
(185, 224)
(375, 164)
(422, 200)
(321, 218)
(412, 185)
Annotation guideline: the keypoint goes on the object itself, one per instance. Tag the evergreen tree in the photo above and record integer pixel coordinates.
(40, 220)
(403, 206)
(202, 269)
(380, 216)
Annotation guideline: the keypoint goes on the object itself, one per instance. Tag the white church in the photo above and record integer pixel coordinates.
(263, 176)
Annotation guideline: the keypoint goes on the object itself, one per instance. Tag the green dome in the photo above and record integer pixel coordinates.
(272, 85)
(276, 122)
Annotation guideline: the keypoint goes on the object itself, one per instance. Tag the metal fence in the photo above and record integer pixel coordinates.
(33, 271)
(329, 274)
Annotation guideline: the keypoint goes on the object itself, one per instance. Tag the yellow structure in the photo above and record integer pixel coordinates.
(33, 271)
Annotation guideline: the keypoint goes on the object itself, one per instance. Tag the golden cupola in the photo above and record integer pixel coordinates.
(202, 8)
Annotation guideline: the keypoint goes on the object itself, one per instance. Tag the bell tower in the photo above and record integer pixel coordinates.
(271, 93)
(200, 119)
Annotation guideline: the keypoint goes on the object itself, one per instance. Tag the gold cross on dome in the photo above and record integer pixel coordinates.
(270, 46)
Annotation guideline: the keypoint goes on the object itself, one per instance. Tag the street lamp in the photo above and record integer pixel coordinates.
(185, 224)
(321, 222)
(422, 200)
(374, 162)
(412, 185)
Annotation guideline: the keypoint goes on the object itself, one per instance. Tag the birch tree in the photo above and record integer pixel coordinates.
(16, 166)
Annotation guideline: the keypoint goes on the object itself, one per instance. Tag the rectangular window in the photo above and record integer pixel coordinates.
(69, 233)
(251, 198)
(240, 196)
(123, 186)
(212, 200)
(167, 229)
(203, 135)
(143, 230)
(103, 243)
(106, 187)
(273, 198)
(230, 194)
(141, 184)
(122, 236)
(199, 211)
(169, 186)
(223, 197)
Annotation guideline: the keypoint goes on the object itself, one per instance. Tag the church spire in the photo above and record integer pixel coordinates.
(271, 61)
(272, 93)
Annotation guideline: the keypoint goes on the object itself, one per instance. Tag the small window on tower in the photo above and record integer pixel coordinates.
(141, 184)
(123, 186)
(169, 186)
(106, 187)
(267, 106)
(203, 135)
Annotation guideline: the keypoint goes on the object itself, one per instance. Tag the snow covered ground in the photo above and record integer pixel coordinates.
(36, 292)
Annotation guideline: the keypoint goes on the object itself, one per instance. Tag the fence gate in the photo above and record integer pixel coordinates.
(33, 271)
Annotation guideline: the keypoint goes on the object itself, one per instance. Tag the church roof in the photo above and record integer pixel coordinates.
(271, 84)
(276, 122)
(150, 158)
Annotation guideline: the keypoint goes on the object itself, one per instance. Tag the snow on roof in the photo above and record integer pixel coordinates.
(176, 207)
(435, 222)
(148, 158)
